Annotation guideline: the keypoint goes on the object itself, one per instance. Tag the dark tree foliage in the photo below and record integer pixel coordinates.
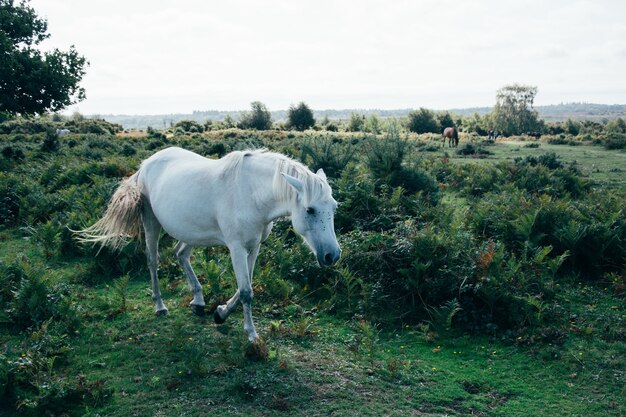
(258, 118)
(31, 81)
(189, 126)
(300, 117)
(445, 120)
(423, 121)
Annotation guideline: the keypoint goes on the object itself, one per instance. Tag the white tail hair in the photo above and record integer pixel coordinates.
(122, 220)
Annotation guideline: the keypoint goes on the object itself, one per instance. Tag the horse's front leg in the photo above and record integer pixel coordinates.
(239, 256)
(223, 311)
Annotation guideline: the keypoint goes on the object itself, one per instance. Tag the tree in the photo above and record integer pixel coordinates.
(300, 117)
(445, 120)
(229, 122)
(190, 126)
(373, 125)
(356, 123)
(513, 113)
(258, 118)
(31, 81)
(423, 121)
(572, 127)
(476, 124)
(616, 126)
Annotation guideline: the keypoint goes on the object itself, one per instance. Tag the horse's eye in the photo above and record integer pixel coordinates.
(310, 210)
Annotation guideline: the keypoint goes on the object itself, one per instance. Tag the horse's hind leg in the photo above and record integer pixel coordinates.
(183, 253)
(152, 229)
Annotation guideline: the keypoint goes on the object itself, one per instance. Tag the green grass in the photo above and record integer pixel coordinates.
(319, 365)
(606, 167)
(130, 363)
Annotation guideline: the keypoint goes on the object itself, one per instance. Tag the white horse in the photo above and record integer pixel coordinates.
(230, 202)
(63, 132)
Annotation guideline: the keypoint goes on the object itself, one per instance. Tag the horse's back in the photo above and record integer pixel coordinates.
(189, 194)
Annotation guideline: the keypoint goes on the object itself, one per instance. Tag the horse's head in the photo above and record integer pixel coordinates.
(312, 216)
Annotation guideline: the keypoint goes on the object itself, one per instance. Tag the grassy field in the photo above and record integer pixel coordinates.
(182, 365)
(603, 166)
(127, 362)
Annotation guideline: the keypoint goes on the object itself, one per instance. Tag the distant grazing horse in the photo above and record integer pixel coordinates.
(229, 202)
(62, 132)
(453, 137)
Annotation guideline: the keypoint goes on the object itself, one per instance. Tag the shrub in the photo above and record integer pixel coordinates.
(384, 156)
(12, 189)
(423, 121)
(259, 117)
(470, 149)
(47, 236)
(128, 150)
(356, 123)
(615, 140)
(330, 154)
(34, 300)
(550, 160)
(16, 154)
(184, 125)
(300, 117)
(50, 142)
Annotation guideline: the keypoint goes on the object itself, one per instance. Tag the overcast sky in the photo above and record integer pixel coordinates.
(150, 57)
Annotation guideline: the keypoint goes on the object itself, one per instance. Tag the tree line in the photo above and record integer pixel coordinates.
(33, 82)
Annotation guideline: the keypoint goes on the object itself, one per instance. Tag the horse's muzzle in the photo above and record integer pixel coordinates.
(329, 258)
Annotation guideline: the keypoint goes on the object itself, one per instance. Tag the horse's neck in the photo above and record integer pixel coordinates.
(261, 176)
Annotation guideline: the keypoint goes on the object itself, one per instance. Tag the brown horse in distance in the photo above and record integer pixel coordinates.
(453, 137)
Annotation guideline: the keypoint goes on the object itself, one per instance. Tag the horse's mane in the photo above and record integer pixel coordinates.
(314, 187)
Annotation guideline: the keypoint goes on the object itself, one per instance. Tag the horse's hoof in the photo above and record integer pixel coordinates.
(197, 310)
(257, 349)
(160, 313)
(217, 318)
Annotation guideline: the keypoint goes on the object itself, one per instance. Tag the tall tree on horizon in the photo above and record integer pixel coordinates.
(259, 117)
(300, 117)
(513, 113)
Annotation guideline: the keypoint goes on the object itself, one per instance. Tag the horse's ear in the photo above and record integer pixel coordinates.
(294, 182)
(320, 173)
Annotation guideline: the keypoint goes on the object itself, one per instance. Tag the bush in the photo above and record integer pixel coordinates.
(259, 117)
(33, 300)
(50, 142)
(185, 125)
(384, 156)
(300, 117)
(470, 149)
(15, 154)
(550, 160)
(615, 141)
(128, 150)
(11, 192)
(327, 153)
(423, 121)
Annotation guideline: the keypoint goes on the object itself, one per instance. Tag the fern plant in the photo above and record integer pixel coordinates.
(441, 317)
(327, 153)
(47, 236)
(120, 287)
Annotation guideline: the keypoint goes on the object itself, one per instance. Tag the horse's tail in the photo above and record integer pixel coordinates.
(455, 132)
(122, 220)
